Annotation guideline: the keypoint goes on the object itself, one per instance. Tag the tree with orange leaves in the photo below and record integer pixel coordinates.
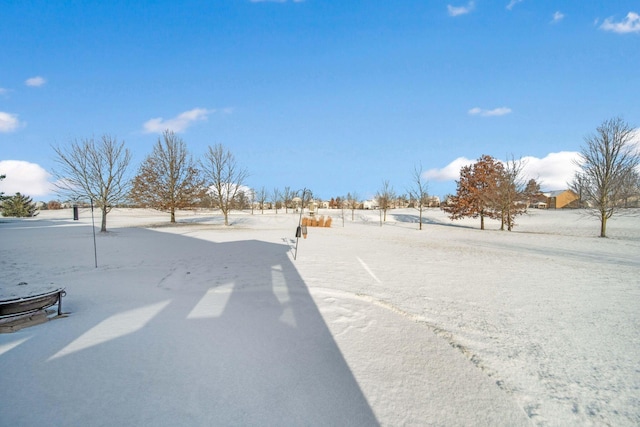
(477, 191)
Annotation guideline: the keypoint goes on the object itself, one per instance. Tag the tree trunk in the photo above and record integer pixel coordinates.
(481, 221)
(173, 215)
(603, 226)
(103, 226)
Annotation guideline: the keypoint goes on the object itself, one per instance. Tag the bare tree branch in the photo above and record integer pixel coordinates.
(418, 191)
(224, 177)
(608, 164)
(385, 197)
(352, 203)
(94, 170)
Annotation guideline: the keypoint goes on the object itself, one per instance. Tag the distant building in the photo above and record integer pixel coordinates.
(433, 202)
(562, 199)
(538, 204)
(370, 204)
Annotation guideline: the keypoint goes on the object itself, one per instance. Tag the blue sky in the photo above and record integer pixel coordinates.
(336, 96)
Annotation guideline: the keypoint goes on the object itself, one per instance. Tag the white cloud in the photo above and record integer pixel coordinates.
(177, 124)
(552, 172)
(9, 122)
(631, 24)
(501, 111)
(557, 17)
(25, 178)
(635, 140)
(460, 10)
(35, 81)
(513, 3)
(451, 172)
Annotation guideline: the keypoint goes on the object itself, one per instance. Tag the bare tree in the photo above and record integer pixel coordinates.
(252, 199)
(94, 170)
(276, 198)
(630, 187)
(607, 160)
(352, 203)
(385, 197)
(261, 197)
(578, 185)
(510, 193)
(224, 178)
(287, 197)
(418, 191)
(241, 201)
(168, 179)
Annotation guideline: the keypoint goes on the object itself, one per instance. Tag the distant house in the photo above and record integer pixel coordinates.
(562, 199)
(370, 204)
(538, 204)
(433, 202)
(311, 205)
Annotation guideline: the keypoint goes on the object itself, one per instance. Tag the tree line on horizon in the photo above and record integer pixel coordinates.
(169, 179)
(608, 177)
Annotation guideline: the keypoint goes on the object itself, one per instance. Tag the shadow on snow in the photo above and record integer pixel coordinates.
(206, 333)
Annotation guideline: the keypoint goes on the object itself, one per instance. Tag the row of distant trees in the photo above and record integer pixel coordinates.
(608, 176)
(169, 179)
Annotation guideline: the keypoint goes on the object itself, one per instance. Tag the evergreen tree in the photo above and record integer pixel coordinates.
(2, 192)
(532, 192)
(19, 206)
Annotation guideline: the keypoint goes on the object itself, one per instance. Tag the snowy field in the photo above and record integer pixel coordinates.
(202, 324)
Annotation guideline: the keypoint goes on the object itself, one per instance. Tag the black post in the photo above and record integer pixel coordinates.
(59, 303)
(93, 223)
(299, 229)
(75, 213)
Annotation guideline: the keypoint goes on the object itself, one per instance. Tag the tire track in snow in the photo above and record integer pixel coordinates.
(368, 270)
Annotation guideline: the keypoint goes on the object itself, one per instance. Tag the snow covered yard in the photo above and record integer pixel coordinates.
(201, 324)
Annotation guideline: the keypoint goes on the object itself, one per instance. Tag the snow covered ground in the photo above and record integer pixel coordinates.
(202, 324)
